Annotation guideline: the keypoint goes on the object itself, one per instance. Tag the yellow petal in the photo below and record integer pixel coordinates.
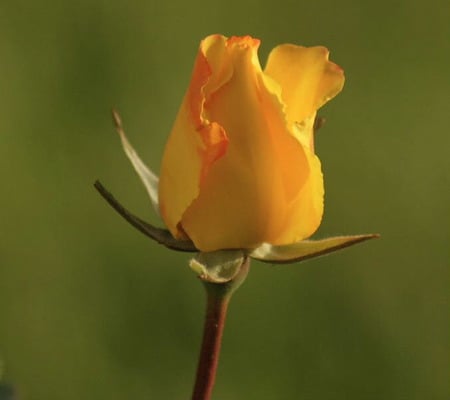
(193, 144)
(239, 167)
(180, 172)
(306, 210)
(245, 196)
(307, 79)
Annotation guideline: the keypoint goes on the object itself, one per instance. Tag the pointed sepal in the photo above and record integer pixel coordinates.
(305, 249)
(148, 178)
(162, 236)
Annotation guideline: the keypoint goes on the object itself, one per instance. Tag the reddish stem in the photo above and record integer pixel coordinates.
(216, 312)
(218, 298)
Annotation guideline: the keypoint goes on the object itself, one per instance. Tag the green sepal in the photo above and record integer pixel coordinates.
(149, 179)
(160, 235)
(305, 249)
(220, 266)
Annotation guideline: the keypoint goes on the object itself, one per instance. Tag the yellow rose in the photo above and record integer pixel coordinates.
(239, 167)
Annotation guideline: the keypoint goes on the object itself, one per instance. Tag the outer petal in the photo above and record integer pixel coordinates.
(307, 79)
(306, 211)
(246, 195)
(194, 143)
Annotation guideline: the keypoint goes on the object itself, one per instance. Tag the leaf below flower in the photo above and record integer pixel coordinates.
(305, 249)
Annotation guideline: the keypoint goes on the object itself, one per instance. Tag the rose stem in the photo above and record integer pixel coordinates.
(218, 298)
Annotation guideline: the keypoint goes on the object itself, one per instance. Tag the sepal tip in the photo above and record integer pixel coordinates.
(306, 249)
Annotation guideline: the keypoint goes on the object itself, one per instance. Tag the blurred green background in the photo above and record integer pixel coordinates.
(91, 309)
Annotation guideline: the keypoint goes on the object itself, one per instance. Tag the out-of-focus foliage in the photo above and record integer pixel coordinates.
(91, 309)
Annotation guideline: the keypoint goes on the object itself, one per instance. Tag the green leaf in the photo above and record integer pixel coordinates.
(148, 178)
(305, 249)
(218, 266)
